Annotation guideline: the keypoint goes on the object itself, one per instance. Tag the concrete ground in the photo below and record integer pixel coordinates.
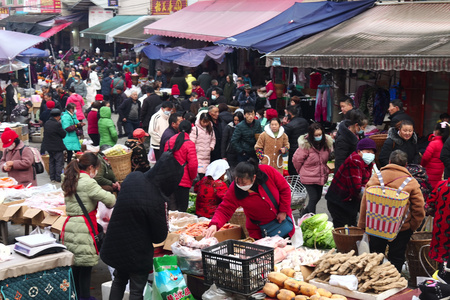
(100, 272)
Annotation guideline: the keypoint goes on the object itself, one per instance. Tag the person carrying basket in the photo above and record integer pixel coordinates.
(393, 176)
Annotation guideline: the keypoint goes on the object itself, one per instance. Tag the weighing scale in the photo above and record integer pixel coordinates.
(37, 244)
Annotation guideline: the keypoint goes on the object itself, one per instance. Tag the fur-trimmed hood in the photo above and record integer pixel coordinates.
(304, 143)
(393, 135)
(268, 131)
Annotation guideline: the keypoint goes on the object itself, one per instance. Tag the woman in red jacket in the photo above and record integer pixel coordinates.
(186, 156)
(431, 160)
(92, 119)
(249, 191)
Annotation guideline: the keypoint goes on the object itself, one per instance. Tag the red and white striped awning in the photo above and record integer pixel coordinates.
(408, 36)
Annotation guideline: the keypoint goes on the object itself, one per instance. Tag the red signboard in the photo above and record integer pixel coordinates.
(166, 7)
(51, 6)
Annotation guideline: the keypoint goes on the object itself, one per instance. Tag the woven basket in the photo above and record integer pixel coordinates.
(379, 140)
(385, 211)
(46, 160)
(121, 165)
(239, 218)
(347, 242)
(417, 257)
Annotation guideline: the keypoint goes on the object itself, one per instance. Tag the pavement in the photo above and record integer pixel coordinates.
(100, 272)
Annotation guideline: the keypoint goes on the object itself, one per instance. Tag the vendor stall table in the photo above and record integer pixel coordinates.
(47, 277)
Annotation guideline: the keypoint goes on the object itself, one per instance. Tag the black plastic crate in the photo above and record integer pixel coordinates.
(237, 267)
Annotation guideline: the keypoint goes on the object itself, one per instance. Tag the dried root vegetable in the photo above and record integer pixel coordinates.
(372, 275)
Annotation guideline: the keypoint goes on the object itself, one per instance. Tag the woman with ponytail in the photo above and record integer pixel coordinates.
(186, 155)
(77, 234)
(265, 196)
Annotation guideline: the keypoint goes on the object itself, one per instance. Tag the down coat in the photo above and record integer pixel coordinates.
(271, 147)
(71, 140)
(107, 128)
(76, 237)
(311, 163)
(204, 142)
(22, 169)
(186, 154)
(395, 142)
(79, 103)
(138, 220)
(431, 160)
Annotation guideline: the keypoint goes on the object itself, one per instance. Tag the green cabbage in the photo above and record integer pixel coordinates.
(317, 232)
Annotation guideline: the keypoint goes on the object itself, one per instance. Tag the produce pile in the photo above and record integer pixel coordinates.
(299, 257)
(116, 150)
(373, 276)
(198, 229)
(283, 287)
(192, 200)
(317, 232)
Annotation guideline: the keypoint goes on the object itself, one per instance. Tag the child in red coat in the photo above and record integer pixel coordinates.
(211, 189)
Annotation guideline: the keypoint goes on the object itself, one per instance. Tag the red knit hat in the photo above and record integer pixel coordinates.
(99, 97)
(50, 104)
(271, 114)
(175, 90)
(8, 137)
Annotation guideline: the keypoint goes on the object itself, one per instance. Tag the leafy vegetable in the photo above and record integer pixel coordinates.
(314, 222)
(192, 200)
(317, 232)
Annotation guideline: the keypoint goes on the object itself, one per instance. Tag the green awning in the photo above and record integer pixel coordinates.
(100, 31)
(135, 34)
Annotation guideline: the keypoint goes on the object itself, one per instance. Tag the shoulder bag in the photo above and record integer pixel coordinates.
(100, 236)
(274, 227)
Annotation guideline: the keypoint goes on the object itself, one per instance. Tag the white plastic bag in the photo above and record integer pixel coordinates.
(363, 245)
(214, 293)
(151, 156)
(45, 231)
(297, 238)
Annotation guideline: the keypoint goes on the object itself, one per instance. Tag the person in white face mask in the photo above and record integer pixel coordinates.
(346, 190)
(77, 233)
(265, 196)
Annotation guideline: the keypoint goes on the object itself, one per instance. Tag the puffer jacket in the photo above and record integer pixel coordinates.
(243, 139)
(311, 163)
(204, 142)
(76, 236)
(158, 124)
(395, 142)
(271, 147)
(107, 128)
(346, 142)
(79, 103)
(105, 175)
(431, 160)
(186, 153)
(22, 169)
(189, 79)
(68, 122)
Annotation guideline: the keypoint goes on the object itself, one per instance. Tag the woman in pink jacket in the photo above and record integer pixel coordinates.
(310, 161)
(202, 135)
(78, 101)
(431, 160)
(186, 155)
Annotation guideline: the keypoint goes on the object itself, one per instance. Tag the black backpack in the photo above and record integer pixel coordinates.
(170, 163)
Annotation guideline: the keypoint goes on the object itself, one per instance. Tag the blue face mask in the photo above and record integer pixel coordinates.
(318, 138)
(167, 113)
(194, 100)
(361, 131)
(75, 80)
(214, 97)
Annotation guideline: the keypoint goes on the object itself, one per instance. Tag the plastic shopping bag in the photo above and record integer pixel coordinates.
(214, 293)
(151, 156)
(169, 283)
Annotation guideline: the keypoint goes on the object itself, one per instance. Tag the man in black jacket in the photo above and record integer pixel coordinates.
(296, 127)
(11, 97)
(129, 113)
(149, 106)
(174, 121)
(396, 112)
(54, 145)
(137, 222)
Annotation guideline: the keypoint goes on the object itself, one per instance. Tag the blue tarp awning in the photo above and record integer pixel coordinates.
(298, 22)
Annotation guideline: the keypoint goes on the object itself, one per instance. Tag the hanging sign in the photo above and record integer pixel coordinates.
(167, 7)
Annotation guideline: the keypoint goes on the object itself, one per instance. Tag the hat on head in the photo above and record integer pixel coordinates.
(271, 114)
(50, 104)
(175, 90)
(247, 87)
(8, 137)
(55, 112)
(139, 133)
(217, 168)
(99, 97)
(366, 144)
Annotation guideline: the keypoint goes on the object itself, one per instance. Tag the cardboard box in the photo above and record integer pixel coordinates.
(58, 225)
(13, 211)
(51, 218)
(24, 137)
(228, 234)
(35, 215)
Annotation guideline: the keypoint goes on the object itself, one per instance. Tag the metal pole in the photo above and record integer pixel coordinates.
(115, 52)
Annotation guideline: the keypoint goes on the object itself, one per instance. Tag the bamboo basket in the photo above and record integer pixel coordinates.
(347, 242)
(239, 218)
(379, 140)
(121, 165)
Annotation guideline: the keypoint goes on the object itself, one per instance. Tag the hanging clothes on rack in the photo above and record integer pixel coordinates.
(323, 103)
(315, 79)
(359, 93)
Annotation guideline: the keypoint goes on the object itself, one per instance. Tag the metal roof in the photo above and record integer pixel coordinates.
(28, 18)
(401, 36)
(135, 34)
